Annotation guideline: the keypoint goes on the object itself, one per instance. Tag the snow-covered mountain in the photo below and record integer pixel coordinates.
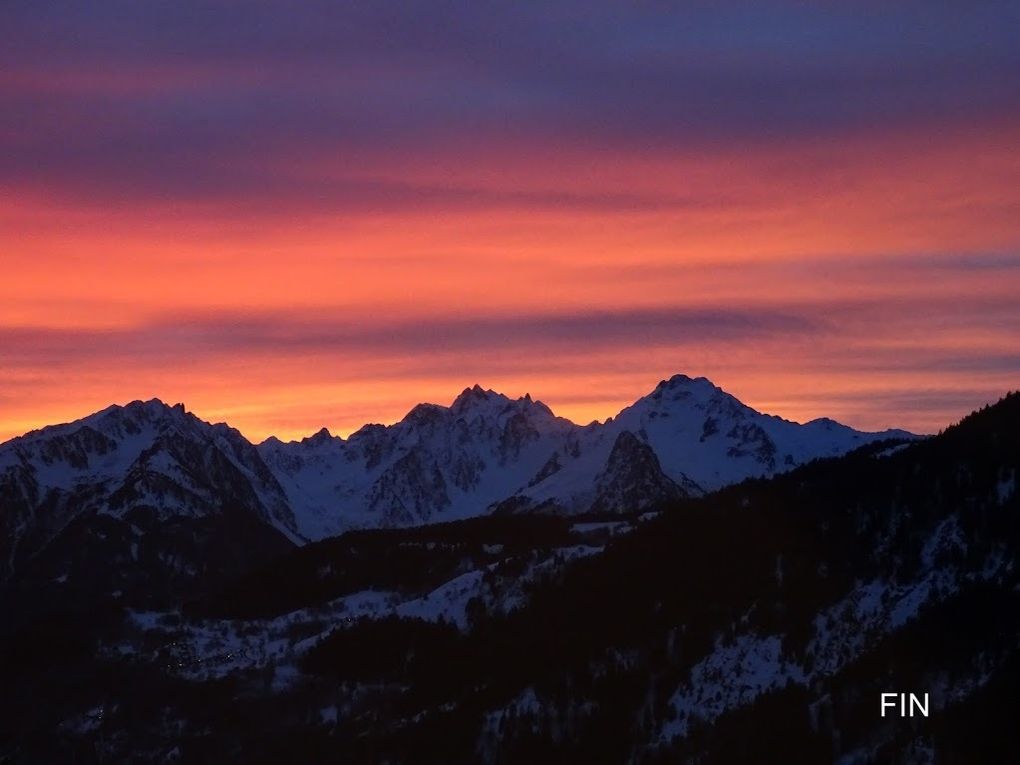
(702, 432)
(695, 634)
(437, 464)
(489, 453)
(147, 465)
(135, 481)
(799, 601)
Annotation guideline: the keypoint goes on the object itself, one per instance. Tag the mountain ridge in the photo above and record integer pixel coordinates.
(324, 431)
(485, 452)
(468, 392)
(765, 618)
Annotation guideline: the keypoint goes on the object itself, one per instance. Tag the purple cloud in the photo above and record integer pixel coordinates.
(188, 101)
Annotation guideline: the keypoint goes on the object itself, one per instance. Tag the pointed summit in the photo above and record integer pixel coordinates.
(473, 396)
(154, 407)
(131, 418)
(677, 379)
(475, 391)
(684, 382)
(322, 436)
(681, 388)
(425, 415)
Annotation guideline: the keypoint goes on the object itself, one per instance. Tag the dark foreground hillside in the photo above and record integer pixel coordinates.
(758, 624)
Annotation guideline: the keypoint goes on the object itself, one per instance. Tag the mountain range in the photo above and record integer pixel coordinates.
(152, 481)
(176, 614)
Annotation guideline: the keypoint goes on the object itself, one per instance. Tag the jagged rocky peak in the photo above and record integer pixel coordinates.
(475, 396)
(370, 434)
(678, 380)
(370, 430)
(529, 404)
(684, 388)
(321, 437)
(633, 479)
(685, 382)
(491, 405)
(137, 416)
(628, 451)
(147, 411)
(473, 402)
(98, 432)
(425, 415)
(689, 398)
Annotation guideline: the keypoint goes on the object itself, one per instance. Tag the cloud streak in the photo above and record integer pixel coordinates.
(185, 102)
(299, 334)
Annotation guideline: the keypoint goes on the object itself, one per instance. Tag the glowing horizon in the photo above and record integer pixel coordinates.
(289, 221)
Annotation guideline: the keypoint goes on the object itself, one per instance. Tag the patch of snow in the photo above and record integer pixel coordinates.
(446, 603)
(947, 538)
(891, 450)
(610, 527)
(733, 675)
(328, 715)
(1006, 488)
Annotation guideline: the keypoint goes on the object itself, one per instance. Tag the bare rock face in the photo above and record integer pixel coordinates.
(632, 479)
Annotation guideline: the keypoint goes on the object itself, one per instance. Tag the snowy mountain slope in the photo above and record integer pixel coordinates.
(437, 464)
(487, 452)
(134, 469)
(700, 431)
(207, 648)
(483, 453)
(759, 623)
(702, 438)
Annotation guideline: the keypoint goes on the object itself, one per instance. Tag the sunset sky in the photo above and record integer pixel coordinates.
(296, 215)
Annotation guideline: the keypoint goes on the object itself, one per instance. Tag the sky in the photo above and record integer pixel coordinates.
(290, 216)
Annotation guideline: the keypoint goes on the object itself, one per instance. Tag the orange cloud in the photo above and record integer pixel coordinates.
(892, 257)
